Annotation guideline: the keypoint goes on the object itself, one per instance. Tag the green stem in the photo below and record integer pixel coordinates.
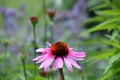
(5, 59)
(34, 41)
(52, 39)
(45, 23)
(52, 76)
(24, 69)
(61, 74)
(34, 44)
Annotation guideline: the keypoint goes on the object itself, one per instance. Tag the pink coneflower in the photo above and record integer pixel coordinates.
(57, 53)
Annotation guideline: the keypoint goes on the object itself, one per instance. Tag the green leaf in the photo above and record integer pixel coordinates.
(102, 55)
(107, 25)
(92, 3)
(105, 77)
(108, 12)
(37, 78)
(111, 61)
(99, 6)
(114, 44)
(95, 19)
(114, 35)
(91, 41)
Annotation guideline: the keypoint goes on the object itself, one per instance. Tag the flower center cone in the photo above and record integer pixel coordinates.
(59, 49)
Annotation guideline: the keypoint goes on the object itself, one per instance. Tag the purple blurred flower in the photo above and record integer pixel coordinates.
(9, 21)
(10, 12)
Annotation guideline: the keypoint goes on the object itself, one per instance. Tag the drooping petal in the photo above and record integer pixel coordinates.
(68, 64)
(42, 64)
(78, 54)
(48, 44)
(74, 63)
(58, 63)
(40, 57)
(40, 50)
(35, 59)
(47, 65)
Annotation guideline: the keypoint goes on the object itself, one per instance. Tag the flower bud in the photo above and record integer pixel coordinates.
(22, 55)
(43, 73)
(34, 20)
(51, 13)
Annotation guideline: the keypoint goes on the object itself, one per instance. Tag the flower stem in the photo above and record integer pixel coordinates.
(52, 39)
(34, 45)
(24, 68)
(61, 74)
(45, 23)
(34, 41)
(5, 59)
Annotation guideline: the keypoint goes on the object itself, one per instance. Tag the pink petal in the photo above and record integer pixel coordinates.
(40, 57)
(40, 50)
(46, 63)
(74, 63)
(42, 64)
(70, 48)
(78, 54)
(68, 64)
(35, 59)
(58, 63)
(48, 44)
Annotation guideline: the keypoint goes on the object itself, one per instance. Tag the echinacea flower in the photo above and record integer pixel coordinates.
(57, 53)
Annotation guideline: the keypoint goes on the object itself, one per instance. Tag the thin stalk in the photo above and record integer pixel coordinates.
(61, 74)
(52, 75)
(45, 23)
(52, 39)
(34, 41)
(34, 45)
(5, 59)
(24, 69)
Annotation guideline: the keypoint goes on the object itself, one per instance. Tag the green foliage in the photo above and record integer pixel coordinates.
(37, 78)
(108, 15)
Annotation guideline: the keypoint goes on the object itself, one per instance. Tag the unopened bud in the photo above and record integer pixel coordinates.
(51, 13)
(22, 55)
(34, 20)
(43, 73)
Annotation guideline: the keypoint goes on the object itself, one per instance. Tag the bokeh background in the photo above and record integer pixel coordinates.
(92, 26)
